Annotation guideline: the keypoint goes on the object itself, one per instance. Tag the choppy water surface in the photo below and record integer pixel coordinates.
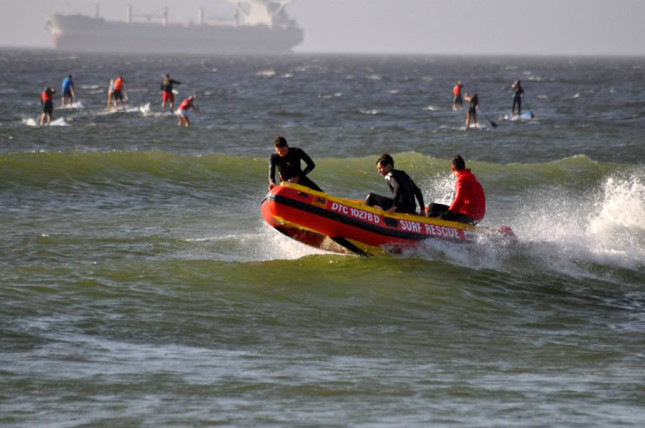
(139, 285)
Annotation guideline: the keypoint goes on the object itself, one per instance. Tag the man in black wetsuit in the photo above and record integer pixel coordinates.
(518, 95)
(471, 116)
(287, 159)
(400, 184)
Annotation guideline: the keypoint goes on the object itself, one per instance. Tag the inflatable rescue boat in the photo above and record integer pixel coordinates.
(350, 227)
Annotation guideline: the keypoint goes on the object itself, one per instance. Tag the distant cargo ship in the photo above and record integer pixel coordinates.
(258, 27)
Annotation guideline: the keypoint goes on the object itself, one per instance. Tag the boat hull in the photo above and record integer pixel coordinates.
(348, 226)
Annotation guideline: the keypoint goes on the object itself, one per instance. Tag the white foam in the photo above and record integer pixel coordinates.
(74, 105)
(605, 228)
(266, 73)
(144, 109)
(276, 246)
(371, 112)
(28, 121)
(59, 122)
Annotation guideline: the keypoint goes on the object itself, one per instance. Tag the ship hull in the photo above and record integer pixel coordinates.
(84, 34)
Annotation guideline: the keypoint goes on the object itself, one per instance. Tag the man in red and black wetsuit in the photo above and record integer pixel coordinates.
(168, 96)
(469, 204)
(47, 101)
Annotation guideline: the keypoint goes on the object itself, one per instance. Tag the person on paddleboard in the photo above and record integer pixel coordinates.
(469, 203)
(457, 102)
(118, 93)
(47, 101)
(402, 187)
(472, 109)
(168, 96)
(69, 92)
(287, 160)
(182, 111)
(518, 95)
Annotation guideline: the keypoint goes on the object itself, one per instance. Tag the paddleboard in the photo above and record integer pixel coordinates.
(524, 116)
(28, 121)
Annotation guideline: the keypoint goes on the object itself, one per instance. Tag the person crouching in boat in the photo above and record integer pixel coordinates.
(287, 159)
(469, 203)
(402, 187)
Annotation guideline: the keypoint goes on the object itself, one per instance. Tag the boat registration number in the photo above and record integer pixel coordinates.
(355, 213)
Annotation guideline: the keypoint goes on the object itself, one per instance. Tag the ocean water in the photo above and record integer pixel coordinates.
(140, 287)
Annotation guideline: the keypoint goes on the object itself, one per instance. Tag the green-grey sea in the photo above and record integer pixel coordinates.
(139, 285)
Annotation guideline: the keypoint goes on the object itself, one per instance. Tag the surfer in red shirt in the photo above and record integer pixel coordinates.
(47, 101)
(469, 203)
(182, 111)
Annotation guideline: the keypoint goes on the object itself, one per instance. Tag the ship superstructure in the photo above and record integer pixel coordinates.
(258, 27)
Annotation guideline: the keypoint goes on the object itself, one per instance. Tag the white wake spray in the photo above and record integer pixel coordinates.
(603, 227)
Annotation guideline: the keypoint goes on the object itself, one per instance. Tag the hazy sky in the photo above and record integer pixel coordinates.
(543, 27)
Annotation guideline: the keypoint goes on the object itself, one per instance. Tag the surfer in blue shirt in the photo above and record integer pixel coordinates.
(518, 94)
(69, 92)
(287, 160)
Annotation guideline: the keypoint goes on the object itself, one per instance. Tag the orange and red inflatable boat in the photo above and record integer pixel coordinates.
(350, 227)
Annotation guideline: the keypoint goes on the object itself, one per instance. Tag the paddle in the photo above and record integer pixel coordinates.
(493, 124)
(529, 107)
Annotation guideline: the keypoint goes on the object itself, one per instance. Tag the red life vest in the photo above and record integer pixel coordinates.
(118, 84)
(47, 95)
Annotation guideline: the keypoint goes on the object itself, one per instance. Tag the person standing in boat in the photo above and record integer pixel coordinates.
(518, 94)
(469, 203)
(401, 185)
(472, 109)
(457, 102)
(168, 96)
(287, 160)
(69, 92)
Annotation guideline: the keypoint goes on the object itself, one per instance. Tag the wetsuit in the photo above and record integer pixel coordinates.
(289, 167)
(518, 91)
(404, 190)
(474, 102)
(46, 98)
(166, 87)
(469, 204)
